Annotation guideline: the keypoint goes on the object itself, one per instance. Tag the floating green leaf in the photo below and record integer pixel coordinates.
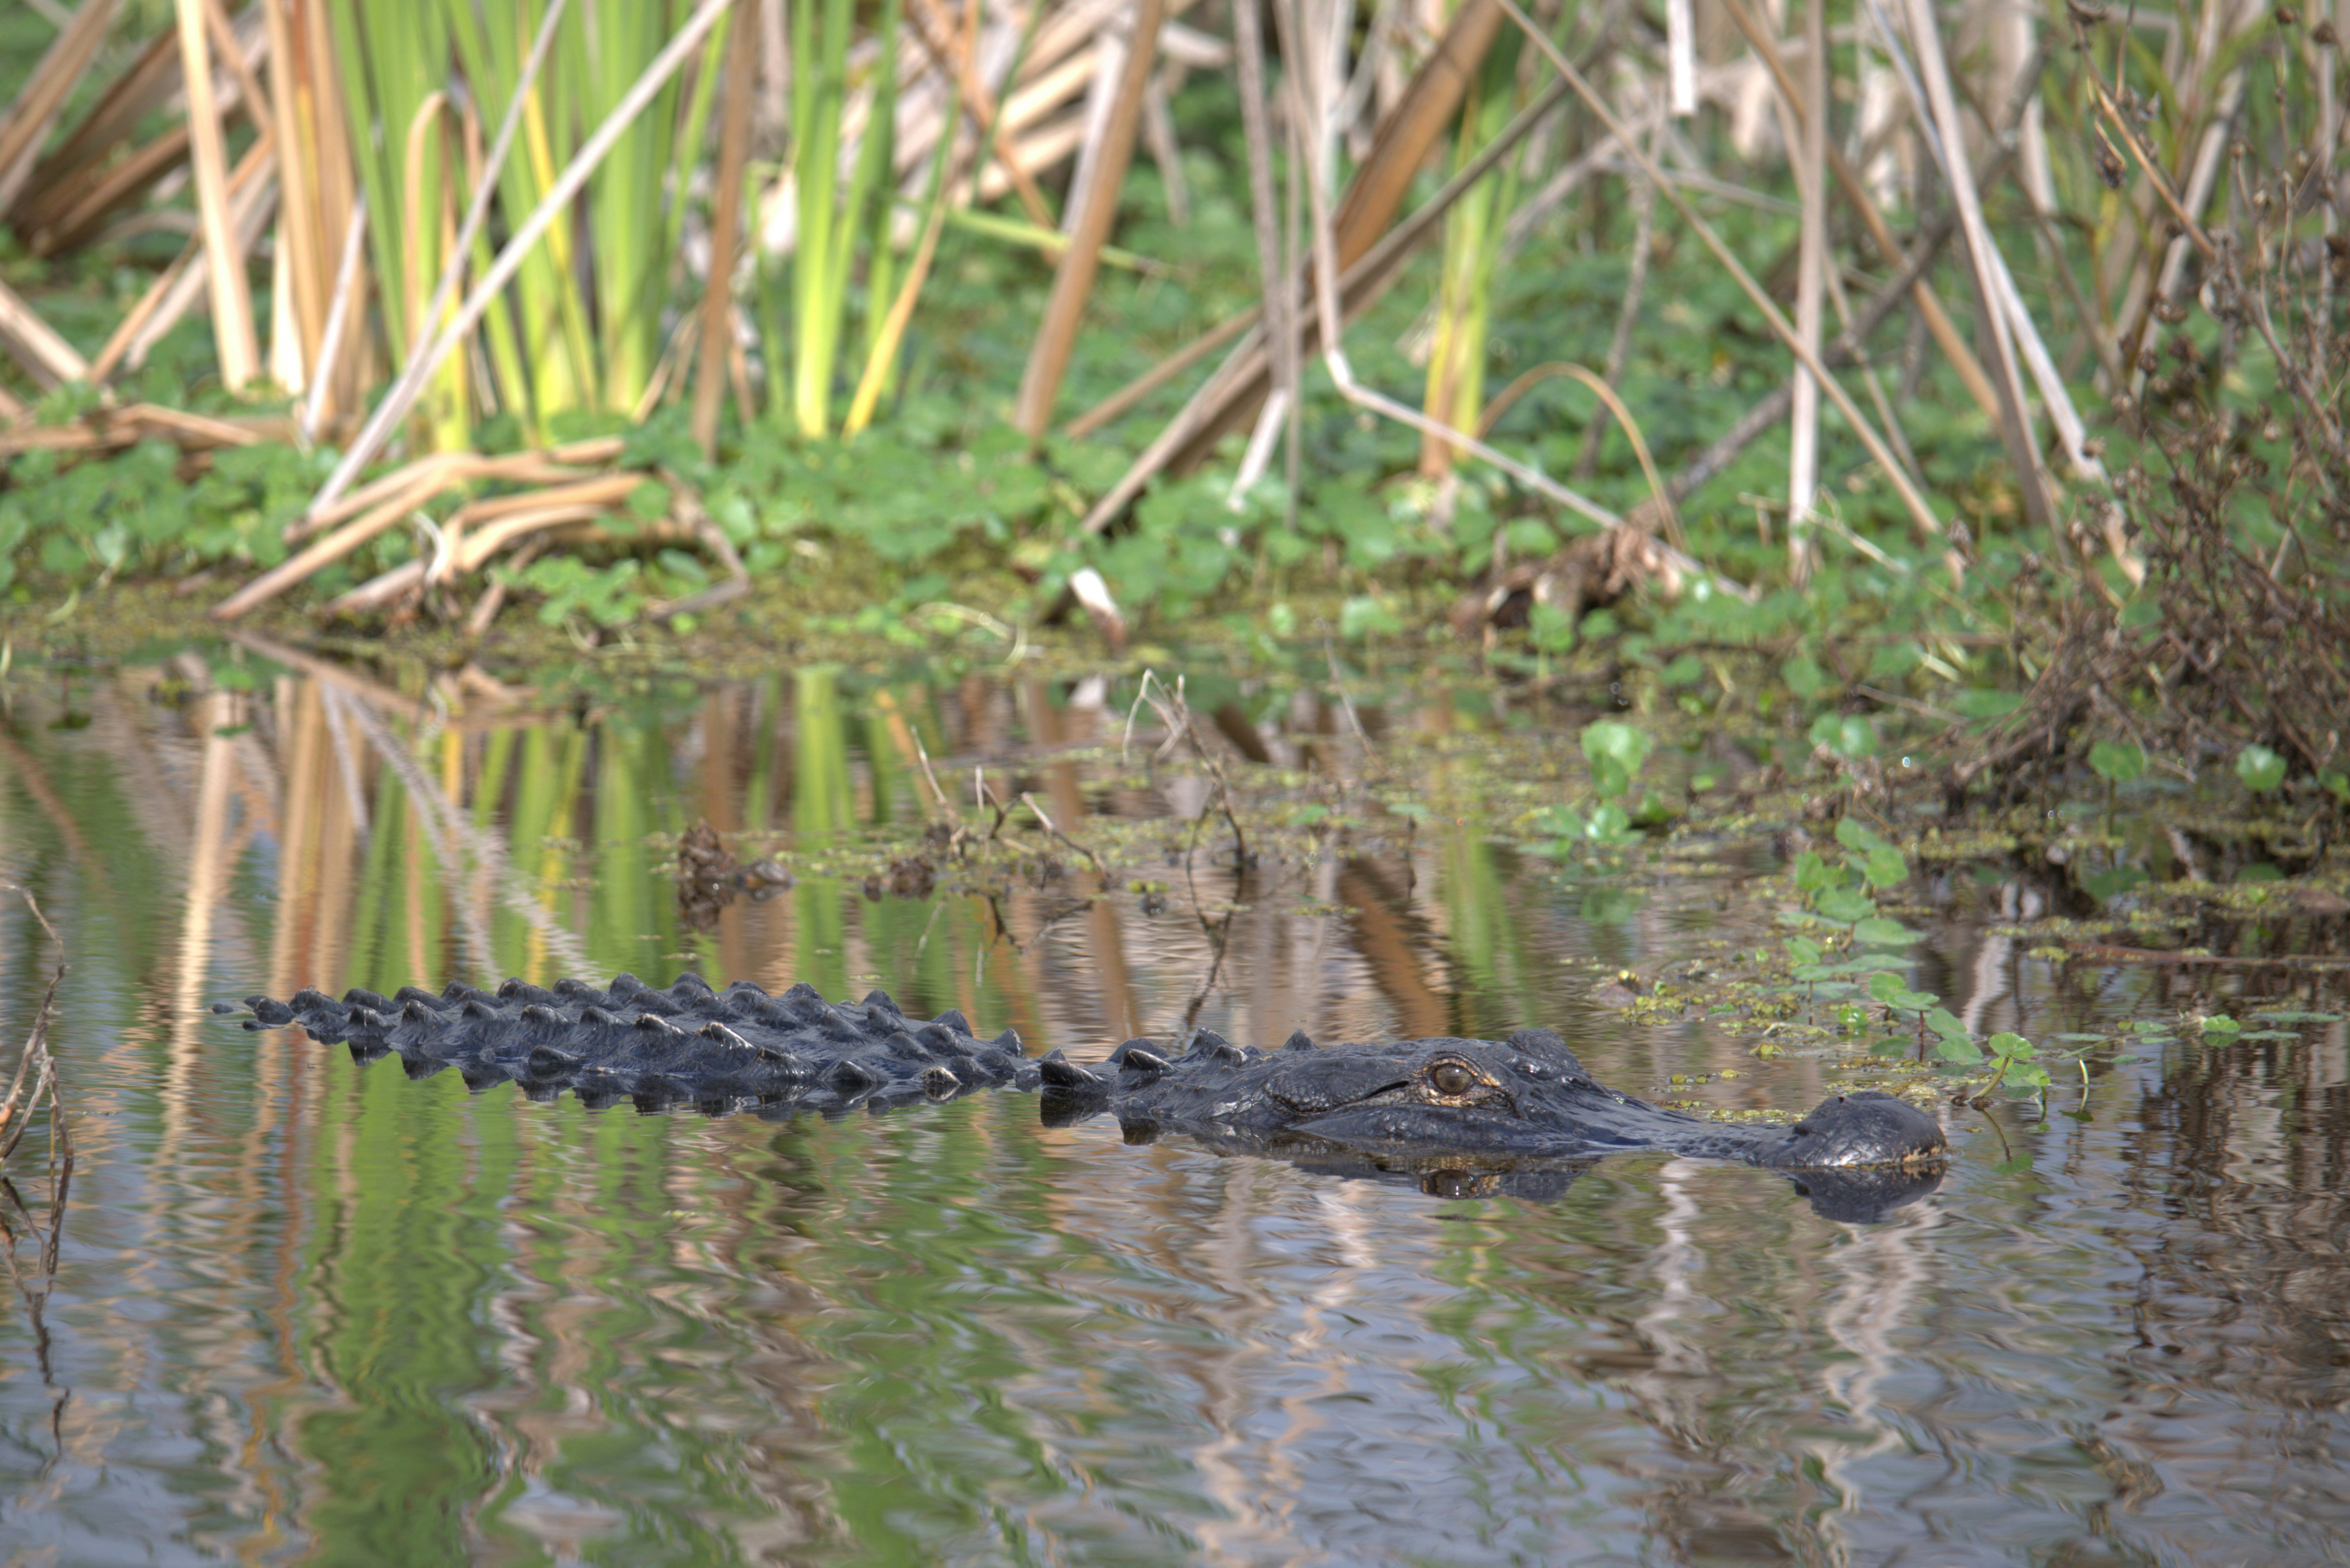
(1615, 751)
(1844, 906)
(1880, 932)
(2117, 763)
(2261, 769)
(1888, 988)
(2114, 881)
(1849, 735)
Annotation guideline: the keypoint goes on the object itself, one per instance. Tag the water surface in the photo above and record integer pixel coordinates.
(304, 1310)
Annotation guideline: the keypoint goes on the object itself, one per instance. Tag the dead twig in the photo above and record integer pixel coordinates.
(1099, 869)
(1174, 711)
(34, 1085)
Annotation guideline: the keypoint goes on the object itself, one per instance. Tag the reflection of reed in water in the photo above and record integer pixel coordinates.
(32, 1095)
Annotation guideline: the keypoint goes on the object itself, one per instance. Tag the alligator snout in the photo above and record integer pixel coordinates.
(1863, 1129)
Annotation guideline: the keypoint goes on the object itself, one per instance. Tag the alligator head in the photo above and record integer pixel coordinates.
(1495, 1104)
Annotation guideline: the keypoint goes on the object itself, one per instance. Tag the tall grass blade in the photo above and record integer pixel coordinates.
(422, 363)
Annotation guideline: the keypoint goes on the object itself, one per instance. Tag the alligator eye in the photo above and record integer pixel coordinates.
(1452, 1079)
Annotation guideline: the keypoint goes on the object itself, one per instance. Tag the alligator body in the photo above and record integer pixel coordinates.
(1458, 1115)
(685, 1045)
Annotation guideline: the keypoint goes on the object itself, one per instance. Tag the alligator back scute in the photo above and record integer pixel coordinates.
(687, 1042)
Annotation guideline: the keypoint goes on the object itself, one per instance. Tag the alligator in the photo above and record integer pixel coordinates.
(1461, 1115)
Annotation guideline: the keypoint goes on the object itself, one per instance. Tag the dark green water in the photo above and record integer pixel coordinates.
(307, 1311)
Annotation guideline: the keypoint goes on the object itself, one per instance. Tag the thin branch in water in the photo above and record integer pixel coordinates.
(1099, 869)
(1346, 700)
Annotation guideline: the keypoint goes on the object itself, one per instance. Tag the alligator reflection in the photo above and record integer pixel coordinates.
(1868, 1196)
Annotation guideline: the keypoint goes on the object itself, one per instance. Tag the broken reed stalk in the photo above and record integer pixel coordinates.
(1362, 283)
(239, 349)
(1720, 452)
(1941, 121)
(1368, 210)
(986, 111)
(1073, 279)
(428, 354)
(1945, 333)
(43, 94)
(1619, 346)
(1921, 510)
(726, 228)
(1275, 267)
(1809, 146)
(1327, 295)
